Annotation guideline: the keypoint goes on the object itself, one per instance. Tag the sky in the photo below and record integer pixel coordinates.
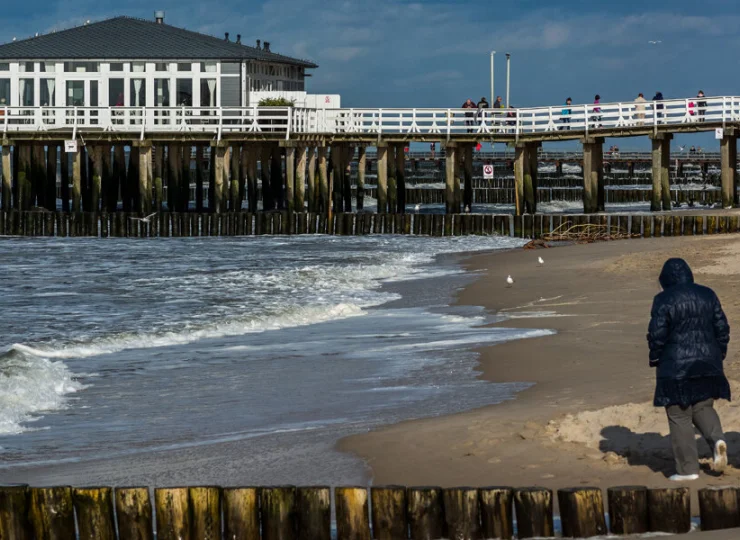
(435, 53)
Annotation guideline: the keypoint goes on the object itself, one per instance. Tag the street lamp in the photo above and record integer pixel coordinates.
(508, 73)
(493, 97)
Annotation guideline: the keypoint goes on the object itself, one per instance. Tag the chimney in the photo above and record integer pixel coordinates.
(259, 43)
(159, 17)
(239, 39)
(267, 46)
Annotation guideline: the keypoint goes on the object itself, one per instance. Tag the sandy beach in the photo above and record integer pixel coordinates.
(588, 419)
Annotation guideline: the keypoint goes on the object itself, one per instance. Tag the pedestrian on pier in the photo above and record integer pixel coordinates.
(566, 115)
(659, 106)
(498, 116)
(597, 111)
(701, 105)
(482, 106)
(688, 337)
(640, 109)
(469, 115)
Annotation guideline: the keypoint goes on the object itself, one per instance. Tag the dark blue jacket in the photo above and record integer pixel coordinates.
(688, 338)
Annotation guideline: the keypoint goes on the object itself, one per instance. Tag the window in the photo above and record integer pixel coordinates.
(75, 93)
(4, 92)
(184, 66)
(138, 67)
(47, 92)
(48, 67)
(4, 66)
(208, 92)
(25, 92)
(162, 92)
(115, 92)
(94, 94)
(161, 66)
(116, 66)
(81, 67)
(138, 93)
(184, 92)
(208, 67)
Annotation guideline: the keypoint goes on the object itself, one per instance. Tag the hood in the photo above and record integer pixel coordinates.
(675, 272)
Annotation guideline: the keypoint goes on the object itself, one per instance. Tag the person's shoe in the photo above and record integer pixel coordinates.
(720, 456)
(684, 477)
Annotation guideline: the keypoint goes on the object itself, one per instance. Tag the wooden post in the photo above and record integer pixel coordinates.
(719, 508)
(382, 178)
(77, 180)
(243, 175)
(38, 175)
(200, 176)
(14, 504)
(119, 175)
(7, 176)
(300, 180)
(50, 195)
(425, 512)
(450, 158)
(134, 513)
(462, 511)
(313, 513)
(468, 175)
(389, 512)
(323, 182)
(267, 200)
(205, 511)
(241, 513)
(582, 512)
(521, 166)
(400, 179)
(277, 511)
(219, 155)
(593, 174)
(110, 187)
(252, 157)
(392, 185)
(311, 188)
(496, 509)
(96, 156)
(276, 177)
(235, 203)
(173, 176)
(353, 522)
(661, 196)
(290, 178)
(670, 510)
(172, 508)
(361, 168)
(628, 510)
(531, 183)
(94, 508)
(145, 191)
(534, 512)
(347, 155)
(159, 178)
(186, 155)
(728, 157)
(52, 514)
(132, 178)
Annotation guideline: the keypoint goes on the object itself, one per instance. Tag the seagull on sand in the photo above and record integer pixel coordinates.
(509, 281)
(540, 261)
(146, 219)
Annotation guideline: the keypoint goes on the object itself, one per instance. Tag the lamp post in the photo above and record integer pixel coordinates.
(508, 73)
(493, 97)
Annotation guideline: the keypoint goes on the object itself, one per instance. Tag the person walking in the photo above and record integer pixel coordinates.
(701, 105)
(482, 106)
(659, 106)
(565, 113)
(640, 109)
(499, 114)
(469, 115)
(688, 336)
(597, 110)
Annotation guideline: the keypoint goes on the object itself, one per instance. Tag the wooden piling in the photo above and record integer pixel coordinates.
(134, 513)
(277, 512)
(313, 513)
(119, 175)
(7, 177)
(361, 169)
(462, 512)
(38, 176)
(382, 177)
(14, 511)
(392, 184)
(290, 178)
(669, 510)
(76, 181)
(205, 511)
(496, 510)
(451, 206)
(353, 522)
(172, 507)
(132, 178)
(277, 177)
(468, 175)
(347, 155)
(389, 512)
(728, 164)
(267, 200)
(628, 510)
(425, 511)
(219, 156)
(96, 187)
(50, 186)
(235, 203)
(593, 175)
(300, 179)
(521, 166)
(252, 157)
(243, 175)
(534, 512)
(719, 508)
(52, 513)
(241, 513)
(94, 508)
(661, 153)
(312, 190)
(582, 512)
(401, 178)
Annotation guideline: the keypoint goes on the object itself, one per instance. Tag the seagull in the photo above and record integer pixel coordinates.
(417, 208)
(509, 281)
(146, 219)
(540, 261)
(467, 209)
(654, 42)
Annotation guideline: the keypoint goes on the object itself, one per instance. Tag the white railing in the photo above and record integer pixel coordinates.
(442, 123)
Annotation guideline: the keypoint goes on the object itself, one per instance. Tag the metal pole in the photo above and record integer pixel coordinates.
(493, 96)
(508, 73)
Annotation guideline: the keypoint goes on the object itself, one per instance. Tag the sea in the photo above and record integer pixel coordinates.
(231, 360)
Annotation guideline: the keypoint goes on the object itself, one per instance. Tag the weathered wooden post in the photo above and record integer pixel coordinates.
(241, 513)
(243, 175)
(50, 195)
(276, 176)
(462, 512)
(300, 180)
(134, 513)
(670, 510)
(119, 173)
(353, 521)
(534, 512)
(348, 153)
(277, 511)
(235, 204)
(110, 189)
(96, 156)
(52, 513)
(389, 512)
(205, 509)
(468, 175)
(323, 196)
(252, 158)
(661, 172)
(14, 506)
(172, 507)
(496, 510)
(361, 169)
(186, 156)
(425, 512)
(521, 168)
(719, 508)
(451, 206)
(382, 177)
(313, 513)
(593, 174)
(312, 191)
(400, 178)
(77, 181)
(267, 200)
(628, 510)
(38, 175)
(158, 176)
(290, 176)
(218, 151)
(145, 191)
(392, 175)
(582, 512)
(7, 175)
(173, 176)
(200, 176)
(94, 508)
(728, 157)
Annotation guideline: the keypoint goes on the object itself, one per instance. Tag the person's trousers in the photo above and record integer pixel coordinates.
(681, 422)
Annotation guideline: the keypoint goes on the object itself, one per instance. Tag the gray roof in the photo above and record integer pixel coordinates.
(124, 38)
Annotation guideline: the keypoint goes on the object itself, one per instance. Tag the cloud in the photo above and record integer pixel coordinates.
(343, 54)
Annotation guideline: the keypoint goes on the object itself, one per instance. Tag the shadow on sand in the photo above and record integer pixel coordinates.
(654, 450)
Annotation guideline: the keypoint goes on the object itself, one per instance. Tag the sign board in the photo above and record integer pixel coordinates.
(488, 172)
(719, 133)
(70, 146)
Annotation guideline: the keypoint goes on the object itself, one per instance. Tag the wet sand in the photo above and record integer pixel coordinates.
(598, 298)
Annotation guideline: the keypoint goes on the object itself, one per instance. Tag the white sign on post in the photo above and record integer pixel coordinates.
(719, 133)
(488, 172)
(70, 146)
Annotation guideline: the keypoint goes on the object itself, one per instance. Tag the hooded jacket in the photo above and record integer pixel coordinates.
(688, 337)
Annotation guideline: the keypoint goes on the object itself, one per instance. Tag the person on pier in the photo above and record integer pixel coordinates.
(659, 106)
(482, 106)
(469, 116)
(701, 106)
(640, 109)
(565, 113)
(688, 336)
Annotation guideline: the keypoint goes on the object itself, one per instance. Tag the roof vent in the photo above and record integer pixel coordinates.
(159, 17)
(267, 46)
(239, 38)
(259, 44)
(226, 36)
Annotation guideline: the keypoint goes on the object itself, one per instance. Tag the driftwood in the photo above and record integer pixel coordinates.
(581, 234)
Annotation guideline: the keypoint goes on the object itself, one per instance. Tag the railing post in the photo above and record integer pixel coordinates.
(449, 123)
(655, 117)
(585, 118)
(290, 117)
(517, 125)
(380, 123)
(724, 111)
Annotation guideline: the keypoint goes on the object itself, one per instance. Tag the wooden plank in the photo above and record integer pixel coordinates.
(353, 521)
(313, 513)
(52, 513)
(134, 513)
(172, 507)
(389, 512)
